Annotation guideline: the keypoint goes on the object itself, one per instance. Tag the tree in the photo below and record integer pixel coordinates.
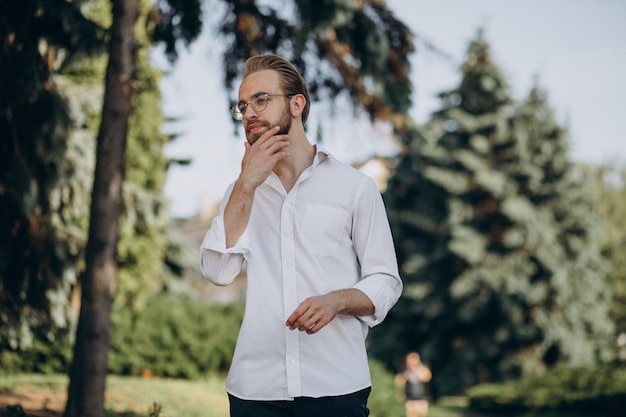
(609, 195)
(89, 364)
(356, 47)
(39, 230)
(564, 189)
(41, 265)
(490, 228)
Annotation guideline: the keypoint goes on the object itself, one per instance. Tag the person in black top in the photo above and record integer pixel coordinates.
(413, 378)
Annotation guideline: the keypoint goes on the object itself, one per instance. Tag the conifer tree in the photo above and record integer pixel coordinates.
(581, 329)
(40, 233)
(487, 263)
(38, 278)
(609, 195)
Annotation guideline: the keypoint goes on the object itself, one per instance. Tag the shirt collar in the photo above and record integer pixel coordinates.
(320, 155)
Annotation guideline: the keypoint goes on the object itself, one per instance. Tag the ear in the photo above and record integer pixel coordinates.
(297, 104)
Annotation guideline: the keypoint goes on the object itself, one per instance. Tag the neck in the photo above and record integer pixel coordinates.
(301, 155)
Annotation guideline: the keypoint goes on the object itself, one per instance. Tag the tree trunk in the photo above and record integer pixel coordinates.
(89, 366)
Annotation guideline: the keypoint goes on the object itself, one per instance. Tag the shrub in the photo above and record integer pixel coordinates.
(174, 337)
(599, 391)
(171, 337)
(42, 357)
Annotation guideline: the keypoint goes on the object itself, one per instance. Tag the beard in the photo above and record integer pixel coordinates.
(284, 124)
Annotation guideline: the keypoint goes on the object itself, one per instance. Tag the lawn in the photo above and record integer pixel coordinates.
(45, 396)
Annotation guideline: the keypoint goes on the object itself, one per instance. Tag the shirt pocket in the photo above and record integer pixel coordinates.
(323, 227)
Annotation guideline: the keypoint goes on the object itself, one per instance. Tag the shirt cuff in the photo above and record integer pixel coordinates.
(215, 239)
(383, 291)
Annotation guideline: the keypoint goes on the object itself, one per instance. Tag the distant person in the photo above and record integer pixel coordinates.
(413, 379)
(321, 263)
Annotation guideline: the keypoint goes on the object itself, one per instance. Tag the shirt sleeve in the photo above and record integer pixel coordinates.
(373, 243)
(219, 264)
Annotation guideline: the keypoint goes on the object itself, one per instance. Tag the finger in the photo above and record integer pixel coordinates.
(314, 328)
(266, 136)
(277, 145)
(318, 325)
(314, 322)
(295, 321)
(308, 322)
(299, 316)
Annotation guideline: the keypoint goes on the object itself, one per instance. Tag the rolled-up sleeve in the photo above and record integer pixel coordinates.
(219, 264)
(373, 243)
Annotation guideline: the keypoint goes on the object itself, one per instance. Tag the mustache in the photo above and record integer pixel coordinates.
(258, 123)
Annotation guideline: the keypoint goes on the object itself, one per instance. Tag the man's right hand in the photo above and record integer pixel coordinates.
(261, 157)
(258, 161)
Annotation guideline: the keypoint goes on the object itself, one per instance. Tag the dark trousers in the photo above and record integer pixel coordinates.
(350, 405)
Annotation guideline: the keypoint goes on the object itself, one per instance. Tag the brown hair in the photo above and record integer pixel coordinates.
(291, 81)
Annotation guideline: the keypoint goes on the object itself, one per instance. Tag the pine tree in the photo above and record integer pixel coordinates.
(609, 196)
(581, 329)
(487, 261)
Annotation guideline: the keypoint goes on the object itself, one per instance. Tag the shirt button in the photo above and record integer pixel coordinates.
(292, 360)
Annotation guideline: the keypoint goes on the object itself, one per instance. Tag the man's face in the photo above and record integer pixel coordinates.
(276, 113)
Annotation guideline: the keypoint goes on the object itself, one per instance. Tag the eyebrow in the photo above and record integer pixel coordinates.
(255, 95)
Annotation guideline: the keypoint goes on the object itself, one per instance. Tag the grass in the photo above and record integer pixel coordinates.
(449, 407)
(45, 395)
(125, 396)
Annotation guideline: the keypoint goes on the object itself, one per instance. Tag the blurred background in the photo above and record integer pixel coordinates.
(573, 49)
(493, 130)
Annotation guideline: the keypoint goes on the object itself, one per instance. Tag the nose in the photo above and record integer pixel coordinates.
(245, 112)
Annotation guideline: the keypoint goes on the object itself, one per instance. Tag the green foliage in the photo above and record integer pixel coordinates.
(171, 337)
(386, 399)
(42, 356)
(357, 48)
(496, 240)
(45, 225)
(593, 391)
(609, 195)
(174, 337)
(173, 21)
(142, 242)
(37, 247)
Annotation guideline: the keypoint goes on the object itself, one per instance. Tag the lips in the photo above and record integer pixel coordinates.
(256, 127)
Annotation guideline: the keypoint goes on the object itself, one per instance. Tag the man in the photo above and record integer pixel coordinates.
(320, 259)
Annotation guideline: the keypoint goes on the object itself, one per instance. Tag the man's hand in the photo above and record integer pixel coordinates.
(260, 158)
(316, 312)
(258, 161)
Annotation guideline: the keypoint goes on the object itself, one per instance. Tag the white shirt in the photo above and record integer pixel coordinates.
(329, 232)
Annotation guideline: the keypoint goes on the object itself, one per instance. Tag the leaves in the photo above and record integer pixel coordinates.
(339, 46)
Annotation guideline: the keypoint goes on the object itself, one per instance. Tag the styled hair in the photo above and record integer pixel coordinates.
(291, 81)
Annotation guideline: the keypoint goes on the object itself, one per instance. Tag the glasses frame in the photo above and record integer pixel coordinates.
(237, 111)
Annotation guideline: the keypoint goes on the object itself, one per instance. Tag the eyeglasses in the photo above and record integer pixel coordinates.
(258, 103)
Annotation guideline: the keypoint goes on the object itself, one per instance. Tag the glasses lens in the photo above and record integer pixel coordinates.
(236, 112)
(260, 103)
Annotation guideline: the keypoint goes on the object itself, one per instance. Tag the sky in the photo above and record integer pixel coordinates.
(574, 49)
